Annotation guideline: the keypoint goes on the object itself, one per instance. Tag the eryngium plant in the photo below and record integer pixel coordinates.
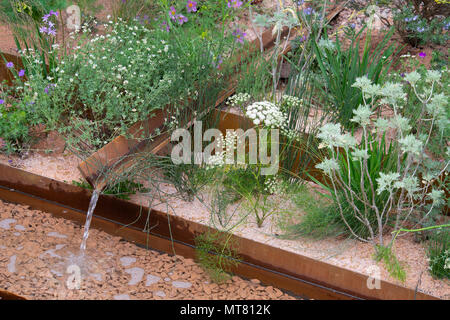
(406, 194)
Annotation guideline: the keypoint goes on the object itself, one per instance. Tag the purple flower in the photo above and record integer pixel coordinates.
(422, 54)
(239, 35)
(51, 32)
(2, 101)
(420, 29)
(300, 2)
(53, 13)
(43, 29)
(308, 11)
(46, 17)
(165, 26)
(217, 62)
(50, 86)
(234, 3)
(9, 65)
(191, 6)
(21, 73)
(172, 12)
(402, 74)
(352, 25)
(181, 19)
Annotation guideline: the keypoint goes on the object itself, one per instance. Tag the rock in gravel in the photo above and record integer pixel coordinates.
(4, 224)
(151, 279)
(127, 261)
(12, 264)
(181, 284)
(160, 294)
(136, 275)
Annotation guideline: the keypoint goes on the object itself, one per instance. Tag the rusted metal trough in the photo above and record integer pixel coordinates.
(5, 295)
(286, 270)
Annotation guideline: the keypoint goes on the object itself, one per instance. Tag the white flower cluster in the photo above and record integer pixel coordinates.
(292, 102)
(272, 185)
(238, 99)
(266, 113)
(227, 146)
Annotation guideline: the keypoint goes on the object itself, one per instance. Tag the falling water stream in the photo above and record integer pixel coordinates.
(90, 213)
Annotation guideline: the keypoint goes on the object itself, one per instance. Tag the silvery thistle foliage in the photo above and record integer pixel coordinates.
(406, 194)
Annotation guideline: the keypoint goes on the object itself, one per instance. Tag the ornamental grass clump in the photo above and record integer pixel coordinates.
(407, 188)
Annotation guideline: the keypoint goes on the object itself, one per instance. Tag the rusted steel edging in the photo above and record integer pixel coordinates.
(5, 295)
(278, 267)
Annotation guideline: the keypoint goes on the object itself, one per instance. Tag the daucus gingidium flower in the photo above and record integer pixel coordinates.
(234, 3)
(181, 19)
(172, 12)
(239, 35)
(191, 6)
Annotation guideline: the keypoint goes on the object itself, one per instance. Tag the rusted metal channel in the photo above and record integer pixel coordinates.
(286, 270)
(5, 295)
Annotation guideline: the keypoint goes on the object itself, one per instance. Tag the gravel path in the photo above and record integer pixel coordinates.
(37, 261)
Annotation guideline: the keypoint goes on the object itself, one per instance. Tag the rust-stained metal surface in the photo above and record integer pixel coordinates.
(5, 295)
(299, 274)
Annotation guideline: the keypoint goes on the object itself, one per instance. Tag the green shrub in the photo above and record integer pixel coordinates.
(217, 254)
(339, 68)
(421, 21)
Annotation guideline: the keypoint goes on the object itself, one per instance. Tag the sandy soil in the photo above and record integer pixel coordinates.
(346, 253)
(36, 251)
(62, 167)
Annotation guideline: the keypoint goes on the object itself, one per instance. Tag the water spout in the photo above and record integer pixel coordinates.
(90, 213)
